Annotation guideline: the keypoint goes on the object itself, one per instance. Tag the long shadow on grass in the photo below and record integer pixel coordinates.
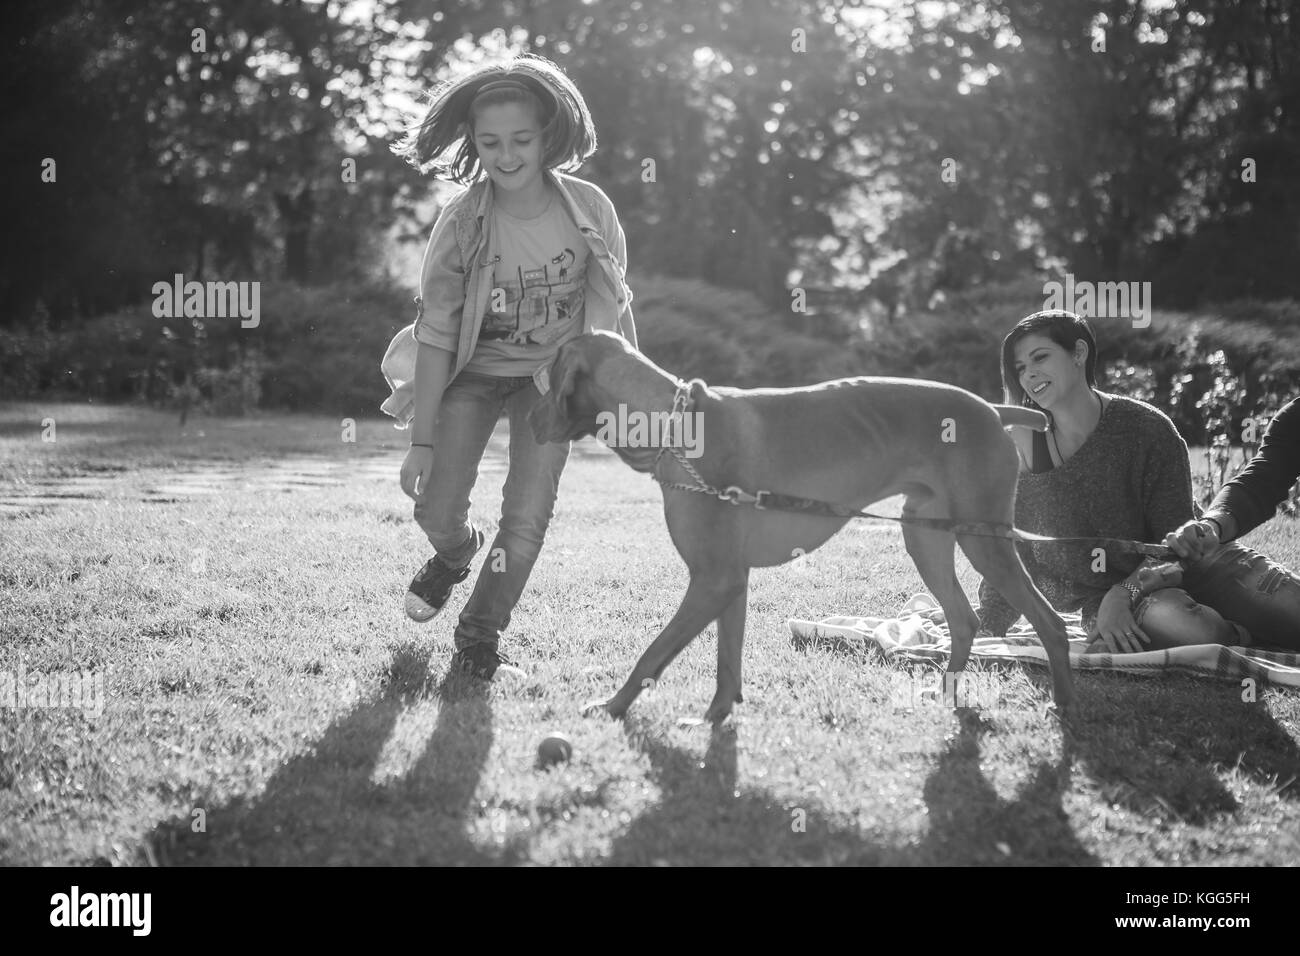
(970, 825)
(1160, 746)
(1164, 748)
(323, 807)
(704, 820)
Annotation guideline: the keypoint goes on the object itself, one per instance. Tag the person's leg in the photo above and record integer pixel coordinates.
(469, 411)
(1248, 588)
(1171, 617)
(528, 501)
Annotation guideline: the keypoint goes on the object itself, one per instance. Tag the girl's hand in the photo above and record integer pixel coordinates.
(1116, 626)
(416, 470)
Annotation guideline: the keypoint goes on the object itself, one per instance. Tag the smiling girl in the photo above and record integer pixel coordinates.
(523, 260)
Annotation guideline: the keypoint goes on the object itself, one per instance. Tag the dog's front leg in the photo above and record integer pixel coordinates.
(705, 600)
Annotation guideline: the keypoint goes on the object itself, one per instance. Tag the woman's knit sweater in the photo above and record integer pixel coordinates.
(1130, 479)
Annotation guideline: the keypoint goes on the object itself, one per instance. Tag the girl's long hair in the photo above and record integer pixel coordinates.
(1063, 328)
(444, 140)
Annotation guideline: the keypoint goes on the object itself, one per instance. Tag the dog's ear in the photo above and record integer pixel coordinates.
(564, 373)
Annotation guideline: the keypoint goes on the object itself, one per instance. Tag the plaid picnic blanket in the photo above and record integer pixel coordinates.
(919, 633)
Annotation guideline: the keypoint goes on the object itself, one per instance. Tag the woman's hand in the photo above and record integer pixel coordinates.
(416, 470)
(1115, 624)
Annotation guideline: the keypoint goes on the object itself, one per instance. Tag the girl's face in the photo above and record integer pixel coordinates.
(1046, 371)
(509, 143)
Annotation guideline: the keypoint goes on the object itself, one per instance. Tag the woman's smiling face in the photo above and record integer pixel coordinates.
(509, 144)
(1046, 371)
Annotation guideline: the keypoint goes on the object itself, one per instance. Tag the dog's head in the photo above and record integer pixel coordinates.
(568, 410)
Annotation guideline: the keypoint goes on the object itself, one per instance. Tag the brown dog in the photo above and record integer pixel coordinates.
(851, 442)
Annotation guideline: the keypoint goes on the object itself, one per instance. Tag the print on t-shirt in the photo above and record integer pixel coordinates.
(540, 304)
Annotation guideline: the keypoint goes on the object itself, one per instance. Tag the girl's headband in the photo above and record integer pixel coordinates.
(502, 84)
(1054, 314)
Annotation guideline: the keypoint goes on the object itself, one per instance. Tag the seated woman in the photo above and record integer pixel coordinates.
(1112, 467)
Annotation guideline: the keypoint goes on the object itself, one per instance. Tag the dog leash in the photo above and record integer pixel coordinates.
(770, 500)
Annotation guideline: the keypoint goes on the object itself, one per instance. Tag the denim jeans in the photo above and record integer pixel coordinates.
(1247, 588)
(471, 406)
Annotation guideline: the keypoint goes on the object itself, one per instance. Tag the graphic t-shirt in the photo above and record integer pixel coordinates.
(538, 291)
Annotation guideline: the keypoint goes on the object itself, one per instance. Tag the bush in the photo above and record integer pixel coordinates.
(729, 337)
(232, 391)
(323, 345)
(314, 348)
(318, 348)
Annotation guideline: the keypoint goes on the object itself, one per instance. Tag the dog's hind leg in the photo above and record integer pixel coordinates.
(731, 644)
(706, 598)
(997, 560)
(932, 551)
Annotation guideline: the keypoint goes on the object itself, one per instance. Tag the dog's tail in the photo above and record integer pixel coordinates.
(1019, 415)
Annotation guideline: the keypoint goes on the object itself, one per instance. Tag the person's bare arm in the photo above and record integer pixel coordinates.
(433, 368)
(432, 375)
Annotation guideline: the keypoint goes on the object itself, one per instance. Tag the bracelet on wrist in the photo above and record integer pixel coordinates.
(1134, 592)
(1218, 525)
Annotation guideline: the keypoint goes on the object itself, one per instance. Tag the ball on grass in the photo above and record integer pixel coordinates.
(556, 748)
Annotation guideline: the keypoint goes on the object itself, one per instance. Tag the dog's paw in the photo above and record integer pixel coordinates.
(599, 708)
(716, 716)
(1064, 714)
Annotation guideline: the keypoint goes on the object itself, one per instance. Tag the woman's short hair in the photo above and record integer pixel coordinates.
(1063, 328)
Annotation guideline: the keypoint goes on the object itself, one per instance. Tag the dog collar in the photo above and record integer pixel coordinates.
(681, 398)
(681, 402)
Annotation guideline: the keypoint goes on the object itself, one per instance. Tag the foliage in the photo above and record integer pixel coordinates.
(316, 347)
(794, 143)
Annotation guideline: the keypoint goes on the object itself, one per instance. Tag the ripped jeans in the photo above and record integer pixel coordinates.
(1247, 588)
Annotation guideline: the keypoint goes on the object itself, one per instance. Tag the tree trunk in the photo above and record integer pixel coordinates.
(296, 211)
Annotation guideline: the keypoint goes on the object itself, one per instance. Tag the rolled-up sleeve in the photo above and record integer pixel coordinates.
(442, 287)
(618, 248)
(615, 238)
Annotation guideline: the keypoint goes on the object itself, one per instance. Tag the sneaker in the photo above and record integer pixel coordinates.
(429, 590)
(485, 662)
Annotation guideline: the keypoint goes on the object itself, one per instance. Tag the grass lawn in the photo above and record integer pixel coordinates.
(238, 585)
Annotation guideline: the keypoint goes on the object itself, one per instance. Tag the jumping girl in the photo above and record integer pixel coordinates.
(520, 262)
